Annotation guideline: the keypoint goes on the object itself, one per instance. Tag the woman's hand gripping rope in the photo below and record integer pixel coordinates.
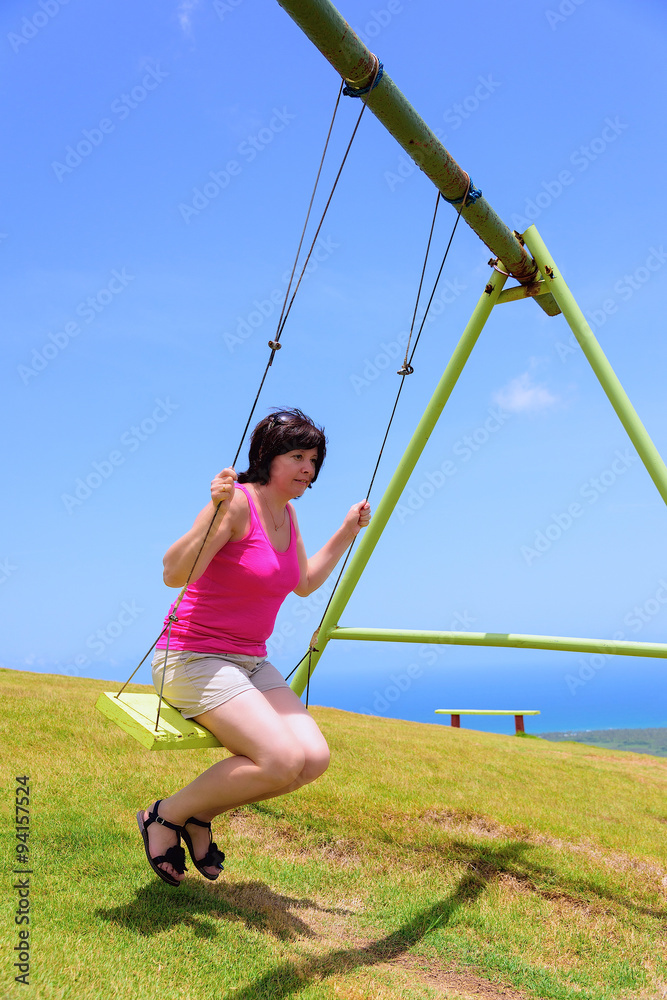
(358, 517)
(222, 490)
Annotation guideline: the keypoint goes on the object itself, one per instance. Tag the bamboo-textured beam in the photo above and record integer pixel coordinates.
(333, 36)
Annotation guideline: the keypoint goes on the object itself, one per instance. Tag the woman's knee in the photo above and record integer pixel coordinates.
(316, 763)
(282, 765)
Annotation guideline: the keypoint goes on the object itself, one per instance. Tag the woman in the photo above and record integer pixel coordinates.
(216, 670)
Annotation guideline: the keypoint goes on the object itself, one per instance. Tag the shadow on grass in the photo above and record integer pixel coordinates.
(290, 978)
(483, 867)
(156, 909)
(201, 907)
(254, 904)
(491, 863)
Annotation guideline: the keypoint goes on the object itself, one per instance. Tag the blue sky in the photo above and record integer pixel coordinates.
(158, 162)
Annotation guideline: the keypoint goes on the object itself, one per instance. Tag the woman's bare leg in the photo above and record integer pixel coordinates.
(306, 732)
(277, 747)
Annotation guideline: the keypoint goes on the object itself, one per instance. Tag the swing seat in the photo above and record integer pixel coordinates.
(136, 713)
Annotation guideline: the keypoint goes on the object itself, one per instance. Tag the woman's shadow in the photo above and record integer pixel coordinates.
(157, 908)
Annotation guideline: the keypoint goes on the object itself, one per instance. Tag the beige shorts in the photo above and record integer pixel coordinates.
(197, 682)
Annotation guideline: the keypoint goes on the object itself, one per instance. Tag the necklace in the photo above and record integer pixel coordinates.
(275, 525)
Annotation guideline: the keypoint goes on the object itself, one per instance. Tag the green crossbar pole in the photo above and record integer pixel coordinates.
(386, 505)
(616, 394)
(559, 642)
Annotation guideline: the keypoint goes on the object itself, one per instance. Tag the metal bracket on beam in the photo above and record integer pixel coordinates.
(537, 290)
(529, 291)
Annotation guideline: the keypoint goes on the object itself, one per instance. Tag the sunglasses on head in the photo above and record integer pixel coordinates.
(282, 417)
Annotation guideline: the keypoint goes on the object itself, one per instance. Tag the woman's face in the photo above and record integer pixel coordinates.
(292, 472)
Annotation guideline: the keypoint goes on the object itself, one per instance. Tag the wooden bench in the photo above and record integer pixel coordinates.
(456, 714)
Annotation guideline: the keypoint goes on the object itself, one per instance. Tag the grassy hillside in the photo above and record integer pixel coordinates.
(427, 862)
(653, 741)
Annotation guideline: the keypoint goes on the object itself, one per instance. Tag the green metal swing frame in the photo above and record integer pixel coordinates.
(554, 283)
(521, 256)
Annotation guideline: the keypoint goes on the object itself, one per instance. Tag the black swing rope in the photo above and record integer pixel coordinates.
(274, 346)
(406, 369)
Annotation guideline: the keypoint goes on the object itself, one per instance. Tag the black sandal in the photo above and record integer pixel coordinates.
(175, 856)
(213, 857)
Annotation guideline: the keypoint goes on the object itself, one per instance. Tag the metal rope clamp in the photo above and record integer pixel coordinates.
(349, 90)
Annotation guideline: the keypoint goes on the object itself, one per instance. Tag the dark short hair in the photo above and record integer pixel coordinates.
(281, 432)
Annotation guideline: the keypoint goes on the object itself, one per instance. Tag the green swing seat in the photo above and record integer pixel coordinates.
(136, 712)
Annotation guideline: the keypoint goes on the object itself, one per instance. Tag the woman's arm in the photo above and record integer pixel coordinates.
(314, 571)
(229, 523)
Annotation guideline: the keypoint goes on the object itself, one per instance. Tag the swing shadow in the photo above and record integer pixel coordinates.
(492, 863)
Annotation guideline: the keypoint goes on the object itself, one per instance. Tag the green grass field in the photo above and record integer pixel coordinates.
(427, 862)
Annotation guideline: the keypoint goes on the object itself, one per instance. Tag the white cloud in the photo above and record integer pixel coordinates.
(184, 11)
(522, 395)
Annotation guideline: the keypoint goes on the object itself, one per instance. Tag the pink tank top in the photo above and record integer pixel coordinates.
(232, 607)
